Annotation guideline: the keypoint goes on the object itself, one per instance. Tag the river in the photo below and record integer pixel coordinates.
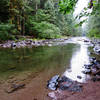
(35, 66)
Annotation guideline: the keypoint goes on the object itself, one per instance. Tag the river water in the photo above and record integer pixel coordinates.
(67, 58)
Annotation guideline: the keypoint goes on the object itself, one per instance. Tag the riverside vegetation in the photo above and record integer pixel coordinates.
(36, 18)
(46, 19)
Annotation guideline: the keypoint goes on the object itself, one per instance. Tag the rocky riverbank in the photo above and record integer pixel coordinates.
(30, 43)
(90, 91)
(65, 88)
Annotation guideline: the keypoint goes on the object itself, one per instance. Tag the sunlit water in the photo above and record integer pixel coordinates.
(79, 58)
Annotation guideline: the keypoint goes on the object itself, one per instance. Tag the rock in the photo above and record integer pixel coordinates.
(70, 86)
(15, 87)
(79, 77)
(54, 79)
(98, 42)
(97, 63)
(13, 45)
(52, 86)
(97, 48)
(92, 59)
(65, 85)
(86, 40)
(76, 88)
(97, 72)
(88, 71)
(88, 66)
(52, 95)
(53, 83)
(93, 70)
(64, 79)
(49, 45)
(96, 78)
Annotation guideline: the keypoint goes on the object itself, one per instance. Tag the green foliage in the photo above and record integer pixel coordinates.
(94, 21)
(39, 18)
(46, 30)
(42, 15)
(94, 33)
(67, 6)
(6, 30)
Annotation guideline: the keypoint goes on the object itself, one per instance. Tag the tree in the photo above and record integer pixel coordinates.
(93, 23)
(4, 12)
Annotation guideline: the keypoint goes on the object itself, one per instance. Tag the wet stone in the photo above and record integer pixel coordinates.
(97, 72)
(87, 66)
(88, 71)
(93, 70)
(97, 48)
(14, 87)
(65, 86)
(53, 83)
(68, 84)
(79, 77)
(86, 41)
(52, 86)
(97, 63)
(76, 88)
(96, 78)
(64, 83)
(64, 79)
(13, 44)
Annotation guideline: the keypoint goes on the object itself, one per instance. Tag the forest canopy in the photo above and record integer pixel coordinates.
(44, 18)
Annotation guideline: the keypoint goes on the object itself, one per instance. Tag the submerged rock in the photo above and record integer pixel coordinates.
(15, 87)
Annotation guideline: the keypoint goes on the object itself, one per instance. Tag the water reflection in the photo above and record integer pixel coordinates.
(79, 58)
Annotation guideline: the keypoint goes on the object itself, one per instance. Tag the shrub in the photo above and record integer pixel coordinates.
(46, 30)
(94, 33)
(6, 30)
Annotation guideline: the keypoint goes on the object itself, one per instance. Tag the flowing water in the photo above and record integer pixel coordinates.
(66, 59)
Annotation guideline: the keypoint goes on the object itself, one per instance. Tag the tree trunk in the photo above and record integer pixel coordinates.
(23, 23)
(91, 4)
